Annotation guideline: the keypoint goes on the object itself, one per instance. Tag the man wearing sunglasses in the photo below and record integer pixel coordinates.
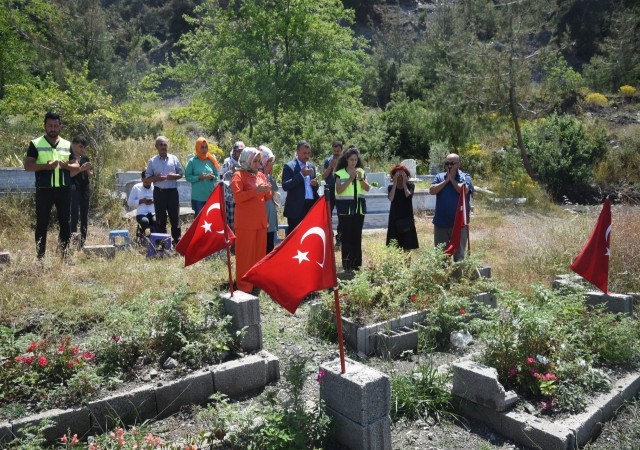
(446, 186)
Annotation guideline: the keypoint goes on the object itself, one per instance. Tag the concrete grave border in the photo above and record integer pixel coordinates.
(475, 396)
(153, 401)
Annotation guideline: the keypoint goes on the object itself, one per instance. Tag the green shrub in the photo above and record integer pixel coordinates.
(422, 394)
(620, 166)
(564, 151)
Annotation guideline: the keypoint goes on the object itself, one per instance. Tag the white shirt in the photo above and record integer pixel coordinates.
(138, 192)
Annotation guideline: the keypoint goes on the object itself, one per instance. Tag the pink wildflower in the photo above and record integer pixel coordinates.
(149, 439)
(513, 372)
(74, 439)
(321, 374)
(32, 346)
(61, 348)
(88, 356)
(63, 439)
(463, 312)
(42, 361)
(76, 350)
(70, 364)
(530, 360)
(159, 441)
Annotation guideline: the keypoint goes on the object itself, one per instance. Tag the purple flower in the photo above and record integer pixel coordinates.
(321, 374)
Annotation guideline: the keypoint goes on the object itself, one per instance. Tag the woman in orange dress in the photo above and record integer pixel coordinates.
(250, 192)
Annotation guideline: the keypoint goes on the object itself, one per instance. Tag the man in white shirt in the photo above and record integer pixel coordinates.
(141, 197)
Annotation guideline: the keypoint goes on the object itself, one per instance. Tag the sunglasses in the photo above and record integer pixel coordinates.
(449, 163)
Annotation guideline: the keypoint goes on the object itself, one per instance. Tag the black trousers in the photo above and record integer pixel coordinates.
(167, 202)
(80, 204)
(351, 226)
(46, 198)
(146, 221)
(293, 222)
(271, 235)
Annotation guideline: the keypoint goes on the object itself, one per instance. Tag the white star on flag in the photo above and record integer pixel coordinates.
(301, 256)
(207, 227)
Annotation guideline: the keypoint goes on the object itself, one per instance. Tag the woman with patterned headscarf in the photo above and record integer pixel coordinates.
(250, 192)
(202, 173)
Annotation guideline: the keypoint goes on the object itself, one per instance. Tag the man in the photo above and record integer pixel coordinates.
(330, 181)
(141, 198)
(52, 159)
(300, 183)
(446, 186)
(164, 170)
(80, 189)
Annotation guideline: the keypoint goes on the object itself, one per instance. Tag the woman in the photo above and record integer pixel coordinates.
(266, 167)
(351, 184)
(401, 227)
(80, 189)
(251, 191)
(202, 173)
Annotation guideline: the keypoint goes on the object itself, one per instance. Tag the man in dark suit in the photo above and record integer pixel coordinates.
(300, 183)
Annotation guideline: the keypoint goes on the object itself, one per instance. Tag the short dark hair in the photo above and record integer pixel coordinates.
(52, 116)
(80, 140)
(304, 144)
(336, 144)
(144, 174)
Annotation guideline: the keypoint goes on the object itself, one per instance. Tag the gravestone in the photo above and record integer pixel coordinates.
(411, 166)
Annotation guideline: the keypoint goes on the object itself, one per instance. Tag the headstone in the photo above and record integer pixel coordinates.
(378, 177)
(411, 166)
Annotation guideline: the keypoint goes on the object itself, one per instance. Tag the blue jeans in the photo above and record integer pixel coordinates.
(197, 206)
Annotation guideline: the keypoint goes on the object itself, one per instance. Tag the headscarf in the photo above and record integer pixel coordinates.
(208, 156)
(246, 158)
(267, 154)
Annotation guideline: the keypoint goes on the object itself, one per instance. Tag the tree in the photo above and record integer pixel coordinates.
(260, 58)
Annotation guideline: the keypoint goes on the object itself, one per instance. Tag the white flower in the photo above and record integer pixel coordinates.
(582, 362)
(542, 360)
(563, 346)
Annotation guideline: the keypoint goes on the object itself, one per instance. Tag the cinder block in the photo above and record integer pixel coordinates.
(103, 251)
(131, 407)
(242, 376)
(74, 421)
(243, 307)
(273, 366)
(5, 258)
(525, 429)
(484, 271)
(194, 389)
(362, 394)
(354, 436)
(252, 339)
(479, 384)
(614, 303)
(391, 343)
(6, 433)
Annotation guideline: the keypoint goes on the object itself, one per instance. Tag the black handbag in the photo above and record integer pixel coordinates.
(405, 224)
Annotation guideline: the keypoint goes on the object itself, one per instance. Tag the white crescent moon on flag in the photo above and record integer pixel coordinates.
(606, 238)
(214, 206)
(320, 232)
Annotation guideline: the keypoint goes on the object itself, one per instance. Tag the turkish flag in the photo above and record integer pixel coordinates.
(209, 231)
(459, 223)
(592, 263)
(303, 263)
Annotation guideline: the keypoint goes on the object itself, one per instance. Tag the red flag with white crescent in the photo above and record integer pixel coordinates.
(592, 263)
(303, 263)
(209, 232)
(459, 223)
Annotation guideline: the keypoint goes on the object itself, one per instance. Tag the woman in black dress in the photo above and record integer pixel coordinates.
(401, 227)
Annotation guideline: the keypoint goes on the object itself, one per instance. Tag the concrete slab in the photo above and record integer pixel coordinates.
(614, 303)
(479, 383)
(194, 389)
(68, 421)
(252, 339)
(273, 366)
(240, 377)
(362, 394)
(125, 408)
(103, 251)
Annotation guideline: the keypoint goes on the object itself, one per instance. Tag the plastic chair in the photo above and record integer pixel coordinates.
(159, 245)
(124, 234)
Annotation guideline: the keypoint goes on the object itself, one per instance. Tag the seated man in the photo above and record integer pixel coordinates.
(141, 197)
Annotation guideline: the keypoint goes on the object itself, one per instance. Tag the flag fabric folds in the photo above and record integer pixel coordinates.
(303, 263)
(459, 223)
(592, 263)
(209, 231)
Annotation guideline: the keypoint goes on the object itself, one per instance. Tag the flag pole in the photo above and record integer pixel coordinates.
(223, 208)
(336, 294)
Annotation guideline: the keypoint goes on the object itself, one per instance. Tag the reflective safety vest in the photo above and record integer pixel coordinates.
(56, 177)
(351, 200)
